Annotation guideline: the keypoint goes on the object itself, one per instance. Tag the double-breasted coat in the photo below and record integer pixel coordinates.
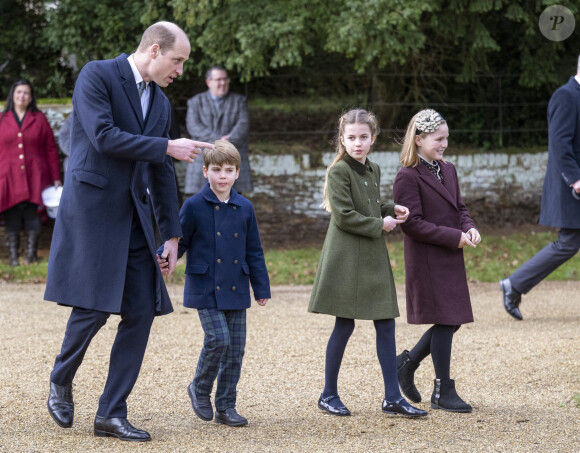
(354, 277)
(559, 207)
(118, 165)
(207, 123)
(224, 252)
(435, 278)
(28, 159)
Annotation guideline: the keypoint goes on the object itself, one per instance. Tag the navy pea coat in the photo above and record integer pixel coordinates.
(559, 207)
(435, 279)
(224, 252)
(117, 165)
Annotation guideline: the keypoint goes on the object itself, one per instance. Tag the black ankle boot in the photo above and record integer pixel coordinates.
(445, 397)
(406, 372)
(31, 256)
(13, 241)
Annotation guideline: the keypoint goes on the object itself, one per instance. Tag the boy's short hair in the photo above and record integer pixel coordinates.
(223, 153)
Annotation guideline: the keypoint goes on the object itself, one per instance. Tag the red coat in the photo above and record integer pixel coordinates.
(28, 159)
(436, 282)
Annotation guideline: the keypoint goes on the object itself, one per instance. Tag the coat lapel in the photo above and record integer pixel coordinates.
(430, 179)
(155, 107)
(130, 86)
(29, 120)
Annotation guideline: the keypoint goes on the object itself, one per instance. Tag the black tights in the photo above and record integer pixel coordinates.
(437, 341)
(386, 353)
(23, 213)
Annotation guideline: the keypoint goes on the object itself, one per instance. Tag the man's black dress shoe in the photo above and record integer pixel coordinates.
(402, 407)
(60, 404)
(201, 404)
(511, 299)
(230, 417)
(120, 428)
(324, 404)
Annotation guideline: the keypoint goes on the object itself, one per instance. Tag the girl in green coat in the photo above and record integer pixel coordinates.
(354, 278)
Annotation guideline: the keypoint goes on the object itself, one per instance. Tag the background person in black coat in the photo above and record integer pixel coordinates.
(560, 196)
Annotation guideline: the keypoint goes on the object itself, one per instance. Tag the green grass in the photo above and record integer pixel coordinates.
(495, 258)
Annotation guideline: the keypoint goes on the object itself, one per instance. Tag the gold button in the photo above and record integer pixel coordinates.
(219, 261)
(233, 288)
(235, 235)
(218, 288)
(217, 208)
(21, 156)
(20, 145)
(235, 261)
(219, 234)
(20, 134)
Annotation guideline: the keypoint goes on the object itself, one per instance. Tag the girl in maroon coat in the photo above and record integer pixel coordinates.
(437, 230)
(28, 164)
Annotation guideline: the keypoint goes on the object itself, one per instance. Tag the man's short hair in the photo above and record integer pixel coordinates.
(162, 33)
(223, 153)
(216, 67)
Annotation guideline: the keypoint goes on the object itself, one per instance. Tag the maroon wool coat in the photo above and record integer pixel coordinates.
(28, 159)
(436, 283)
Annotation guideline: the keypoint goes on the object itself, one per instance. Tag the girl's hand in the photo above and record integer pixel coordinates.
(465, 240)
(402, 212)
(389, 223)
(262, 302)
(474, 235)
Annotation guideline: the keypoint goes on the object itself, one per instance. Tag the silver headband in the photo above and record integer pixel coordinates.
(428, 121)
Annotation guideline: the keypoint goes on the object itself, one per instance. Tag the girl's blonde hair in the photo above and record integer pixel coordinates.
(353, 116)
(409, 155)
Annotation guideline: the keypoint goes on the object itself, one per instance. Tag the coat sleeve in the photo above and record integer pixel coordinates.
(255, 258)
(562, 127)
(198, 121)
(241, 126)
(344, 212)
(466, 220)
(407, 192)
(92, 103)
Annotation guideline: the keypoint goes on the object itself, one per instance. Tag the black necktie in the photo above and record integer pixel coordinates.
(141, 87)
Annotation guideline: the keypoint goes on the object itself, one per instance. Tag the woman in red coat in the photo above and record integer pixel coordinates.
(28, 164)
(435, 233)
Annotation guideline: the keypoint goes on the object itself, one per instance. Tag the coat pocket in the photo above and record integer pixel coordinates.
(244, 283)
(197, 279)
(91, 178)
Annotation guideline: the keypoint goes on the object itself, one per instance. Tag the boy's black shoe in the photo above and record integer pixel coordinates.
(230, 417)
(201, 404)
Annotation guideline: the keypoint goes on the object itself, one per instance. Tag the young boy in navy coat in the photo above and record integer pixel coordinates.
(224, 255)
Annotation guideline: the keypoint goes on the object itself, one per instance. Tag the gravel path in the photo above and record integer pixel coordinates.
(520, 378)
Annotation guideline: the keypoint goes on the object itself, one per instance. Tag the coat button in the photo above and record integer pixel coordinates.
(22, 167)
(219, 260)
(235, 261)
(376, 185)
(235, 235)
(366, 183)
(217, 288)
(233, 288)
(378, 201)
(20, 134)
(235, 207)
(20, 145)
(21, 156)
(219, 234)
(217, 208)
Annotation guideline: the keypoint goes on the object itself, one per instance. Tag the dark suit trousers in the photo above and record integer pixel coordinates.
(546, 260)
(137, 314)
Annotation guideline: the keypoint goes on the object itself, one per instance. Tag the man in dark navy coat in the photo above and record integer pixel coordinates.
(560, 196)
(102, 258)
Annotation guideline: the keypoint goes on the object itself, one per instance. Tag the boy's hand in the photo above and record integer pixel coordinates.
(163, 265)
(262, 302)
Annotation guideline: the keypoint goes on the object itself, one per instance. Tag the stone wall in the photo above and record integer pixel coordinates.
(499, 189)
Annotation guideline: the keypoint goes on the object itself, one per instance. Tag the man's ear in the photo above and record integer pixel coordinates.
(154, 51)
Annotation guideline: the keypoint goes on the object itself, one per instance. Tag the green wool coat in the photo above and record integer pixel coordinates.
(354, 278)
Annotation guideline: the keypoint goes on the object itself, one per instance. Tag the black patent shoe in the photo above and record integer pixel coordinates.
(230, 417)
(402, 407)
(120, 428)
(201, 404)
(511, 299)
(324, 404)
(60, 404)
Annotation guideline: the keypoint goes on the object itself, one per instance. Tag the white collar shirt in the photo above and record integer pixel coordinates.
(138, 79)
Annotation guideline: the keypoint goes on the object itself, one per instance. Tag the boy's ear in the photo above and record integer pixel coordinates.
(237, 173)
(204, 172)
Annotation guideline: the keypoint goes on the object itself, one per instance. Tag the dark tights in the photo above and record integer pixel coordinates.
(386, 353)
(436, 341)
(23, 213)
